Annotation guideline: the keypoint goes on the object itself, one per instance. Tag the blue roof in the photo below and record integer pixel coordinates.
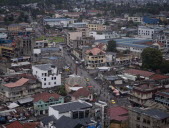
(57, 19)
(154, 113)
(130, 42)
(148, 20)
(5, 41)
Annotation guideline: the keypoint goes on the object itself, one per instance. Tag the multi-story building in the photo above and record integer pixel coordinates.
(42, 101)
(75, 110)
(162, 97)
(47, 74)
(99, 35)
(148, 31)
(96, 27)
(141, 93)
(148, 118)
(24, 45)
(21, 88)
(162, 37)
(94, 58)
(136, 19)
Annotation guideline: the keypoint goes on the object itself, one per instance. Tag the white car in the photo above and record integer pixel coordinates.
(22, 118)
(12, 120)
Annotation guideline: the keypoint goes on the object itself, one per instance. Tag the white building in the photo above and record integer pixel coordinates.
(148, 31)
(3, 35)
(77, 109)
(99, 35)
(47, 74)
(64, 22)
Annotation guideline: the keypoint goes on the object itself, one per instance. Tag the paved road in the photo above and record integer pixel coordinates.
(103, 92)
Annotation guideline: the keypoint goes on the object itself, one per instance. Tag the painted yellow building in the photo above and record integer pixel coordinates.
(95, 58)
(96, 27)
(6, 51)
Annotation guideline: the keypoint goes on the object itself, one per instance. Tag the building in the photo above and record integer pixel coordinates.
(149, 20)
(17, 124)
(74, 110)
(96, 27)
(99, 35)
(47, 74)
(148, 32)
(74, 82)
(142, 93)
(18, 89)
(52, 122)
(136, 19)
(162, 97)
(78, 25)
(162, 37)
(43, 100)
(60, 22)
(95, 58)
(148, 118)
(134, 74)
(82, 94)
(118, 117)
(24, 45)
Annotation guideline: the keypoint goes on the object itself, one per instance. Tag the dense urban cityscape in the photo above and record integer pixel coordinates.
(84, 64)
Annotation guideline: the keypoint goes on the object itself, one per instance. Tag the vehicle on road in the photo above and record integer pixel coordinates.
(22, 118)
(12, 120)
(113, 101)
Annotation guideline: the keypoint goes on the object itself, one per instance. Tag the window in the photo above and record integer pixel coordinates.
(137, 126)
(75, 115)
(44, 79)
(54, 82)
(49, 83)
(81, 114)
(138, 118)
(44, 83)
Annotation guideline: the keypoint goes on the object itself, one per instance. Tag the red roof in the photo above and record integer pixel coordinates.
(20, 82)
(45, 96)
(139, 72)
(118, 113)
(31, 125)
(95, 51)
(161, 44)
(82, 92)
(159, 77)
(15, 124)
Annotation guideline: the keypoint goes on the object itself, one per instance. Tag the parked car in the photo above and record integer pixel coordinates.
(12, 120)
(22, 118)
(27, 121)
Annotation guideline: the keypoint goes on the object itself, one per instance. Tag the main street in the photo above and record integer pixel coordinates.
(101, 90)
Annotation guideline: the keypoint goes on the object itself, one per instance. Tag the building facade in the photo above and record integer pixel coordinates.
(95, 58)
(47, 74)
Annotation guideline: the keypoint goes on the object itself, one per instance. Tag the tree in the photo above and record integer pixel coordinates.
(111, 47)
(165, 67)
(151, 59)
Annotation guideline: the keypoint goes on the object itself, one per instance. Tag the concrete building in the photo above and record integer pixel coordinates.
(95, 58)
(99, 35)
(136, 19)
(96, 27)
(148, 118)
(47, 74)
(76, 110)
(19, 89)
(162, 97)
(142, 93)
(42, 101)
(147, 32)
